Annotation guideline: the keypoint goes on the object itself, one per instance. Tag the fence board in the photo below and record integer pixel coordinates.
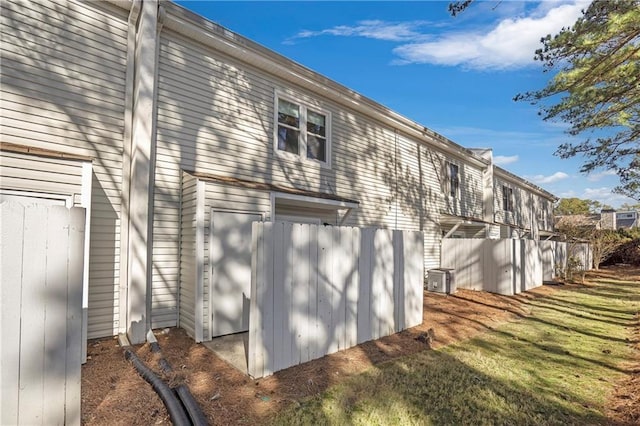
(398, 281)
(267, 305)
(32, 317)
(342, 263)
(365, 273)
(280, 271)
(256, 361)
(324, 291)
(413, 279)
(314, 323)
(55, 326)
(330, 288)
(383, 283)
(41, 313)
(11, 254)
(75, 342)
(299, 291)
(351, 316)
(507, 266)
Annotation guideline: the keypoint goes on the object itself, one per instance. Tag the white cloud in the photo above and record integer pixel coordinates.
(510, 44)
(595, 177)
(541, 179)
(605, 196)
(503, 160)
(375, 29)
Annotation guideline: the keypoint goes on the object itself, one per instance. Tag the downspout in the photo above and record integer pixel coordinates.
(142, 151)
(152, 162)
(395, 164)
(126, 164)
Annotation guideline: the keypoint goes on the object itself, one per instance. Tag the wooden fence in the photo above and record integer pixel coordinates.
(42, 265)
(508, 266)
(316, 290)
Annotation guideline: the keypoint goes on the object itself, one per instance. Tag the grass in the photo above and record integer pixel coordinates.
(556, 367)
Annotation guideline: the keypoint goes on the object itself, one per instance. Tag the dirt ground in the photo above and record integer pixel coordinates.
(113, 393)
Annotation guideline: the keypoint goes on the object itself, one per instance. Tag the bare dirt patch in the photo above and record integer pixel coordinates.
(113, 393)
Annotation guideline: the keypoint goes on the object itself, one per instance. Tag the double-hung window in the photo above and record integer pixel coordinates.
(454, 180)
(303, 131)
(507, 198)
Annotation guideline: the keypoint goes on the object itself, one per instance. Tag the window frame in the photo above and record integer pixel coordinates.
(507, 198)
(304, 108)
(453, 190)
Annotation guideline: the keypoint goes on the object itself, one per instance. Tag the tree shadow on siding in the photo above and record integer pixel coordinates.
(80, 110)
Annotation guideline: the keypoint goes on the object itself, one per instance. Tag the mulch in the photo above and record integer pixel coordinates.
(113, 393)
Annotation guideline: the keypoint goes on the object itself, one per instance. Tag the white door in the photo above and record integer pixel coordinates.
(230, 262)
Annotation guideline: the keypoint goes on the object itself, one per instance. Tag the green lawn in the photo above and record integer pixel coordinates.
(557, 366)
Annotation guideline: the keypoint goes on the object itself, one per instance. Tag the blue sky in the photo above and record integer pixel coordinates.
(457, 76)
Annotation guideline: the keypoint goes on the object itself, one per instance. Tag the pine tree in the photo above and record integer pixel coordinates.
(596, 89)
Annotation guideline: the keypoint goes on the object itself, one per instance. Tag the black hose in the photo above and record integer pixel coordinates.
(174, 407)
(188, 401)
(192, 406)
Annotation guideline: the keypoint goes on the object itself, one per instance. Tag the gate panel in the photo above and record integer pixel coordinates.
(42, 251)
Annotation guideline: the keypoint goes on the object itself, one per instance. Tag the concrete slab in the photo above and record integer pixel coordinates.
(233, 348)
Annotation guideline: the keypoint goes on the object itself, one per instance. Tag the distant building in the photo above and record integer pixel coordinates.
(607, 219)
(627, 220)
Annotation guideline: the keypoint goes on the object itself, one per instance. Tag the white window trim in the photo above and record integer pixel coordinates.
(302, 156)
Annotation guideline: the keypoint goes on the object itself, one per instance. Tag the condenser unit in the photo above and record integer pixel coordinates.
(441, 280)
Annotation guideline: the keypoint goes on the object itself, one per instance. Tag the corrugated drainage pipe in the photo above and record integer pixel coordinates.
(193, 409)
(174, 407)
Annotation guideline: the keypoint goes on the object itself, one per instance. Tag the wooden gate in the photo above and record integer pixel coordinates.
(317, 289)
(42, 257)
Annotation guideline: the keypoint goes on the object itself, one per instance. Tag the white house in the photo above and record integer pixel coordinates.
(162, 123)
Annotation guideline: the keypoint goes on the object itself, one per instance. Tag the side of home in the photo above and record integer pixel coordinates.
(522, 209)
(191, 132)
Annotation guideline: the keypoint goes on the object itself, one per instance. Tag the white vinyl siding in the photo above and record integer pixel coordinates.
(520, 216)
(529, 208)
(216, 116)
(188, 253)
(41, 175)
(63, 74)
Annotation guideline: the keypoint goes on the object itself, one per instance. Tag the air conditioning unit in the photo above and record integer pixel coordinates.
(441, 280)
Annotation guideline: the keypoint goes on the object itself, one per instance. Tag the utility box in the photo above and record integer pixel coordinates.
(441, 280)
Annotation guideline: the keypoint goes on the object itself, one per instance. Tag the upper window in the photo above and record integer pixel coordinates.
(454, 179)
(303, 131)
(507, 198)
(543, 210)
